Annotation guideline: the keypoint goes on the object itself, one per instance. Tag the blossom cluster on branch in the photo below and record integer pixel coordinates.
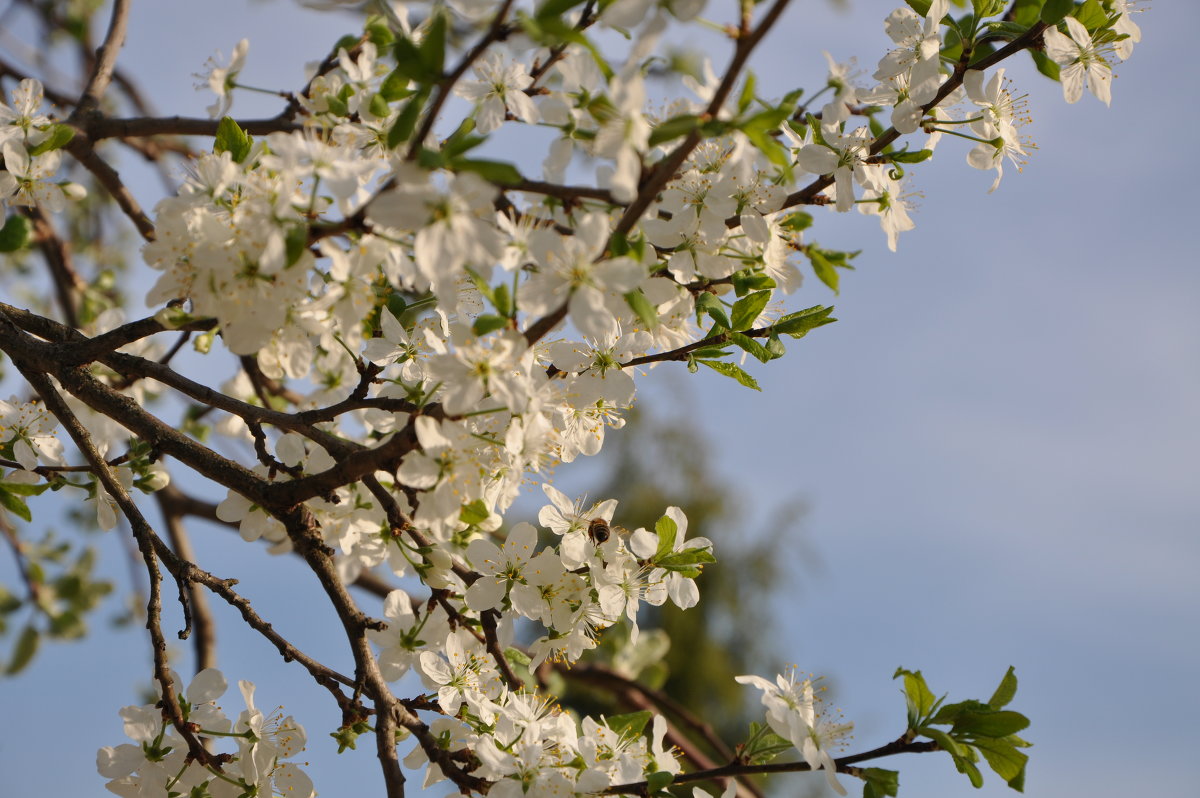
(422, 331)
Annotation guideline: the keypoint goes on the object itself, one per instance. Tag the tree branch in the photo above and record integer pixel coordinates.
(106, 59)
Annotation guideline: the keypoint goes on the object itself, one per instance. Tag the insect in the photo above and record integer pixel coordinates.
(599, 531)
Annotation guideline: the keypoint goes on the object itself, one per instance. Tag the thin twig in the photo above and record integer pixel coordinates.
(494, 33)
(106, 58)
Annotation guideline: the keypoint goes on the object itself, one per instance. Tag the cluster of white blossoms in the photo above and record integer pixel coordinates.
(158, 762)
(486, 327)
(30, 148)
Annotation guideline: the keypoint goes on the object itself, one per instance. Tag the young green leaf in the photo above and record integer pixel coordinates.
(487, 323)
(748, 308)
(232, 139)
(730, 370)
(15, 233)
(1005, 692)
(921, 700)
(433, 45)
(645, 311)
(24, 650)
(60, 136)
(712, 306)
(14, 504)
(496, 172)
(1054, 10)
(629, 725)
(754, 348)
(667, 529)
(402, 129)
(879, 782)
(799, 323)
(657, 782)
(1004, 758)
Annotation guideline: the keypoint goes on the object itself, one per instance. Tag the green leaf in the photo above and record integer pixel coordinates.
(995, 724)
(748, 308)
(799, 323)
(379, 106)
(502, 300)
(555, 8)
(474, 513)
(232, 139)
(748, 280)
(22, 489)
(943, 739)
(15, 233)
(879, 782)
(646, 312)
(1005, 30)
(730, 370)
(711, 352)
(433, 45)
(1026, 12)
(987, 8)
(921, 700)
(712, 306)
(498, 173)
(747, 95)
(402, 129)
(768, 120)
(657, 782)
(337, 106)
(629, 725)
(667, 529)
(1091, 15)
(8, 602)
(764, 745)
(694, 555)
(686, 562)
(1044, 64)
(394, 86)
(409, 64)
(673, 128)
(967, 766)
(910, 157)
(378, 31)
(1004, 758)
(754, 348)
(796, 221)
(1017, 782)
(487, 323)
(768, 146)
(24, 650)
(295, 241)
(1054, 11)
(461, 140)
(1005, 692)
(920, 6)
(517, 657)
(60, 136)
(14, 504)
(824, 269)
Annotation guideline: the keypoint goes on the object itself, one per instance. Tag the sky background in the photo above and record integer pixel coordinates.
(997, 441)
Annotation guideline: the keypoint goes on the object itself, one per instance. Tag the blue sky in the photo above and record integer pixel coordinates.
(997, 441)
